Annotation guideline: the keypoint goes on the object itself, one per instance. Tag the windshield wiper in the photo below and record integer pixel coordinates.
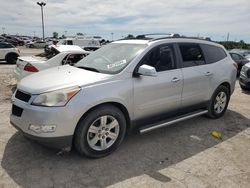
(89, 68)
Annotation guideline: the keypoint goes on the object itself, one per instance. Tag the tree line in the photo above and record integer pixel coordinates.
(232, 45)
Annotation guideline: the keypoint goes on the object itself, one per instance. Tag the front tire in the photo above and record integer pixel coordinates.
(100, 132)
(219, 102)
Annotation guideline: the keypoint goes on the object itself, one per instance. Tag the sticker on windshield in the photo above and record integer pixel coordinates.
(117, 64)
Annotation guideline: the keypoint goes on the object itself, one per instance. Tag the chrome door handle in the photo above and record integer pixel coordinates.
(175, 79)
(208, 74)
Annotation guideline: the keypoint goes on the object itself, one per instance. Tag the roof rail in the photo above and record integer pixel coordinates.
(184, 37)
(168, 36)
(147, 36)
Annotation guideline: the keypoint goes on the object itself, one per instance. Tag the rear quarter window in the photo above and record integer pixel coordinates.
(192, 55)
(213, 53)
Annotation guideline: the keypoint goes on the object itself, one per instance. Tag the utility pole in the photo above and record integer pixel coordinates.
(3, 28)
(228, 36)
(42, 4)
(112, 35)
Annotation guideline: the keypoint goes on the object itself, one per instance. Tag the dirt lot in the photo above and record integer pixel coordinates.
(181, 155)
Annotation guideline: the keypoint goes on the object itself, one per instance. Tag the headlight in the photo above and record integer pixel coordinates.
(56, 98)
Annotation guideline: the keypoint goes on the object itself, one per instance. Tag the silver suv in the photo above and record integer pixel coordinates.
(146, 84)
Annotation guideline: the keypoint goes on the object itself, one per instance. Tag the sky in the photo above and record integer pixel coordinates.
(204, 18)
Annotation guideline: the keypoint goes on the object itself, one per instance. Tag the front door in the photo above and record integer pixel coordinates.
(160, 94)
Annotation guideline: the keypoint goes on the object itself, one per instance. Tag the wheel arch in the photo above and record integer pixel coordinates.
(11, 53)
(116, 104)
(227, 85)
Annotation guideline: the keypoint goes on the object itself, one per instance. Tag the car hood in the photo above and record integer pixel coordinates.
(32, 59)
(58, 78)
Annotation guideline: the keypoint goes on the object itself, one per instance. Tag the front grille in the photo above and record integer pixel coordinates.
(17, 111)
(22, 96)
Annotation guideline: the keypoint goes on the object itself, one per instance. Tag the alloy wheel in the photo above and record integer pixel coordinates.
(220, 102)
(103, 133)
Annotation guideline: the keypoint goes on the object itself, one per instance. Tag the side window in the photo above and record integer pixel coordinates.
(161, 57)
(191, 55)
(69, 42)
(8, 45)
(213, 53)
(72, 59)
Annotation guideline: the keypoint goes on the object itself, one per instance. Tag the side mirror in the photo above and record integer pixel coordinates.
(146, 70)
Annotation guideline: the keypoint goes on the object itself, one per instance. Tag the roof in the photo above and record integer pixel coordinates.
(69, 48)
(133, 41)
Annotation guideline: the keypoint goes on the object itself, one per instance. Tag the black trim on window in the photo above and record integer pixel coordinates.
(213, 53)
(143, 60)
(191, 54)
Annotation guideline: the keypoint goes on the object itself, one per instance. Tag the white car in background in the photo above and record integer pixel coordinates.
(55, 56)
(8, 52)
(85, 42)
(36, 44)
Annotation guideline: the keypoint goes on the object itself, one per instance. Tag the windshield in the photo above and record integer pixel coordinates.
(112, 58)
(49, 53)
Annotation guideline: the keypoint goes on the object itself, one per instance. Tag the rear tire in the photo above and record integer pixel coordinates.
(219, 102)
(244, 88)
(100, 132)
(11, 58)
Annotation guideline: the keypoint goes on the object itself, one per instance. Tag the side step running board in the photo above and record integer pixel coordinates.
(172, 121)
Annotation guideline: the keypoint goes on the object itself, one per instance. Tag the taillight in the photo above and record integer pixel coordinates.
(236, 66)
(30, 68)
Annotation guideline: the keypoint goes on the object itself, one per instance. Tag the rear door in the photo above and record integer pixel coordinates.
(160, 94)
(196, 75)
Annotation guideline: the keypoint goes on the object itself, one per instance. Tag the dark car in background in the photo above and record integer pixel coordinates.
(243, 52)
(245, 77)
(19, 41)
(4, 39)
(239, 59)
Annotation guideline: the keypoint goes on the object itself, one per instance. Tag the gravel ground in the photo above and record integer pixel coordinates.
(150, 160)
